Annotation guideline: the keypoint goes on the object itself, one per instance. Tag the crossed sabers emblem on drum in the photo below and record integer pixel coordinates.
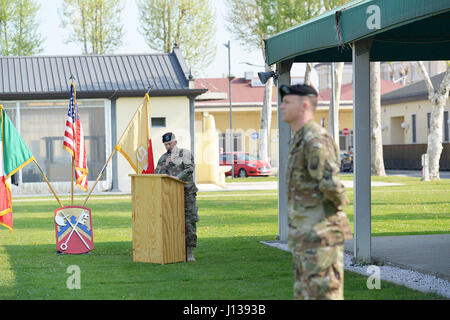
(82, 219)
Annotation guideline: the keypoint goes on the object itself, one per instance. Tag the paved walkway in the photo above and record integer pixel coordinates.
(414, 173)
(270, 185)
(428, 254)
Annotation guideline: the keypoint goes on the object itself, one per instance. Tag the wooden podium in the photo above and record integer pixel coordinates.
(158, 218)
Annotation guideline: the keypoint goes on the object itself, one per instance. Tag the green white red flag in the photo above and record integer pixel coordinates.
(14, 155)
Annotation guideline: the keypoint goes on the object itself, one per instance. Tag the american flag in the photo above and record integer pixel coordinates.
(74, 141)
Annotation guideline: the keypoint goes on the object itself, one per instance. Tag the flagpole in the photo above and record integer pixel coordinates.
(48, 183)
(98, 178)
(75, 134)
(114, 150)
(71, 193)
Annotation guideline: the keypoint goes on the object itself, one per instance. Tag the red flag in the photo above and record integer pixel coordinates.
(6, 218)
(74, 141)
(151, 165)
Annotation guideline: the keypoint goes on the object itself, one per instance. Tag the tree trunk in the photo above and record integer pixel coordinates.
(438, 99)
(338, 83)
(376, 154)
(5, 34)
(308, 73)
(266, 119)
(337, 98)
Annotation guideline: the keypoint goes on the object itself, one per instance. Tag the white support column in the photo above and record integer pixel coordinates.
(333, 116)
(361, 123)
(284, 138)
(192, 129)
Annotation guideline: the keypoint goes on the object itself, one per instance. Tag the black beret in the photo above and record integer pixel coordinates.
(297, 89)
(169, 136)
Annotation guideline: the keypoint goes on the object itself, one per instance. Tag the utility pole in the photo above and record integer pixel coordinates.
(230, 78)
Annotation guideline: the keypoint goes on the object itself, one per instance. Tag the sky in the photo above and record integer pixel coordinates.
(133, 42)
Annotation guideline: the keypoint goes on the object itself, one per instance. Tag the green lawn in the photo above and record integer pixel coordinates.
(231, 263)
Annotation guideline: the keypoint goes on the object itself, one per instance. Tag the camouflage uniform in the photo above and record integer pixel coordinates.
(317, 224)
(182, 167)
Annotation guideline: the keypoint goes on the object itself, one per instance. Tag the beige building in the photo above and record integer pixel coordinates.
(405, 120)
(166, 114)
(36, 90)
(401, 72)
(247, 96)
(406, 114)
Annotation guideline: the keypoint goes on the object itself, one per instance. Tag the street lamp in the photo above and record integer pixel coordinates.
(230, 78)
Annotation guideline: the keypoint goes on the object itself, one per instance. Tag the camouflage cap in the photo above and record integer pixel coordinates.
(169, 136)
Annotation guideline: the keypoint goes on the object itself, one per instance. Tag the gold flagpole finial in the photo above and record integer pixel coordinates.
(150, 88)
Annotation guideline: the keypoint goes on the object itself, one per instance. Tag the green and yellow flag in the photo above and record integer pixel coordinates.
(14, 155)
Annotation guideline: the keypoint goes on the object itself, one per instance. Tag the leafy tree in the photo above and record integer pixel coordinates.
(18, 28)
(95, 24)
(190, 24)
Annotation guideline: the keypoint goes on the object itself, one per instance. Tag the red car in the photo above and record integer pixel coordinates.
(245, 164)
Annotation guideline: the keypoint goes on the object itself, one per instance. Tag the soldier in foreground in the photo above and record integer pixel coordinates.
(179, 163)
(318, 225)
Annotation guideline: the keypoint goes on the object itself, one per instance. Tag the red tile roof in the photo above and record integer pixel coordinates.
(243, 92)
(347, 90)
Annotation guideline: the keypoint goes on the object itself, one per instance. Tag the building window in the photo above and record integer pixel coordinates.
(446, 125)
(41, 125)
(413, 131)
(225, 142)
(158, 122)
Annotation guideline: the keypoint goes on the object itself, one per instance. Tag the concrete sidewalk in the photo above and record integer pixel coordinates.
(427, 254)
(270, 185)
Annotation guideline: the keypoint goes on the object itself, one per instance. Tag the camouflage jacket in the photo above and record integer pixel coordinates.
(182, 167)
(316, 196)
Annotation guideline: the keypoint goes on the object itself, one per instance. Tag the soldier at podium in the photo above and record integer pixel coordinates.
(179, 163)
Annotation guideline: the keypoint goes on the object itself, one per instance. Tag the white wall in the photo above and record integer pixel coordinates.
(389, 114)
(176, 112)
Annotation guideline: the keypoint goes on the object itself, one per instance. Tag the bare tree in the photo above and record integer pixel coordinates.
(438, 99)
(308, 69)
(333, 113)
(376, 144)
(251, 22)
(339, 67)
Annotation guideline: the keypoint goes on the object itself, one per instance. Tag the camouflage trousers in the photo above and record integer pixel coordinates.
(190, 218)
(319, 273)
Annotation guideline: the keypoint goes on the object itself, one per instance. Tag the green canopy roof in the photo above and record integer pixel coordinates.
(401, 30)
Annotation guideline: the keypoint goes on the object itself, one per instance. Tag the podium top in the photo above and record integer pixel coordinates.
(152, 176)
